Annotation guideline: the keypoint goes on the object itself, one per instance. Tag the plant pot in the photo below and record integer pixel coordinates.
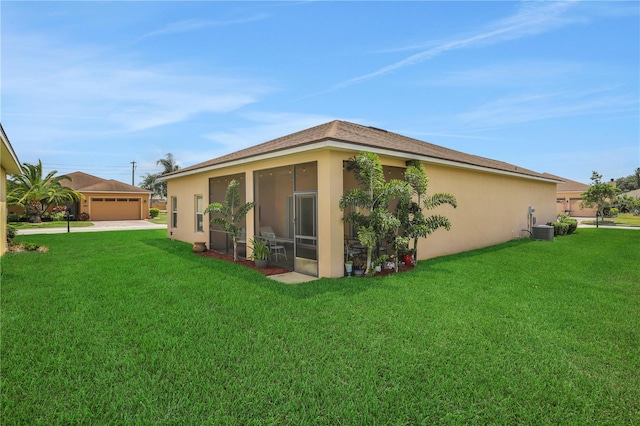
(261, 263)
(379, 268)
(348, 267)
(358, 272)
(408, 259)
(199, 247)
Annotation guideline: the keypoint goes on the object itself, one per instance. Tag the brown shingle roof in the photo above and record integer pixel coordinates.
(568, 185)
(84, 182)
(364, 136)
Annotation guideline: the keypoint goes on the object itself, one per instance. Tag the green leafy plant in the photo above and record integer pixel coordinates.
(36, 192)
(260, 249)
(154, 212)
(231, 214)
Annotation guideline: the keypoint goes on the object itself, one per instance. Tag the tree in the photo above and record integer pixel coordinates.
(368, 204)
(151, 183)
(629, 183)
(36, 193)
(600, 194)
(169, 165)
(411, 210)
(231, 213)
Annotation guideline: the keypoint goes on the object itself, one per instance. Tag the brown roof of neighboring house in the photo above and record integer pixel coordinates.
(84, 182)
(364, 136)
(568, 185)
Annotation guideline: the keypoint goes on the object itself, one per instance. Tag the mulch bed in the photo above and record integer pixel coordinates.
(269, 270)
(275, 270)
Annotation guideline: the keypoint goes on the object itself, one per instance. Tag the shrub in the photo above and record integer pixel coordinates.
(84, 216)
(154, 212)
(573, 225)
(11, 233)
(16, 217)
(559, 228)
(30, 246)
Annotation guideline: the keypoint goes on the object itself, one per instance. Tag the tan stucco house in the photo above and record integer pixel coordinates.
(108, 199)
(297, 181)
(9, 164)
(569, 197)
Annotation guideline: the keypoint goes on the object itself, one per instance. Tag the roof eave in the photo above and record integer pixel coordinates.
(349, 146)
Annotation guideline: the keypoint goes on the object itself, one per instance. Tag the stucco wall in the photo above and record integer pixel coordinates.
(492, 209)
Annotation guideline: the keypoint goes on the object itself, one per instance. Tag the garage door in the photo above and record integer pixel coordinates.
(115, 209)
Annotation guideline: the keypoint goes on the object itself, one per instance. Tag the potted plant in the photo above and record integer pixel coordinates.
(407, 255)
(381, 260)
(261, 252)
(348, 266)
(358, 267)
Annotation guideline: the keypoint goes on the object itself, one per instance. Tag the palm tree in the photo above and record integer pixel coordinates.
(36, 194)
(416, 224)
(168, 165)
(151, 183)
(231, 214)
(369, 203)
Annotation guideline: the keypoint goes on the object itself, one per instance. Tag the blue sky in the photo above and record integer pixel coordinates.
(550, 86)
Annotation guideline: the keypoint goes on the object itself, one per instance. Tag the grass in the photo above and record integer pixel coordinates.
(53, 224)
(160, 219)
(623, 219)
(130, 327)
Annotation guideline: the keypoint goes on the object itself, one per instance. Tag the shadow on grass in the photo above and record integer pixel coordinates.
(340, 286)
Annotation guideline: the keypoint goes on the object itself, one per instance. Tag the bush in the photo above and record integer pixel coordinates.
(154, 212)
(11, 233)
(16, 217)
(83, 217)
(573, 225)
(559, 228)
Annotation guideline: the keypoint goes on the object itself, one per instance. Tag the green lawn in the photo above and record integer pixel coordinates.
(160, 219)
(130, 327)
(54, 224)
(623, 219)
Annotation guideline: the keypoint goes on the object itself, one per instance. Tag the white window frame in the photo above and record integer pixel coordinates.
(174, 212)
(199, 209)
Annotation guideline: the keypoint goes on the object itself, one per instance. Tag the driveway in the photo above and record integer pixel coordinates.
(107, 225)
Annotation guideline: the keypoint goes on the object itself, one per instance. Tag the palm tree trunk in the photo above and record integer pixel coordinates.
(33, 209)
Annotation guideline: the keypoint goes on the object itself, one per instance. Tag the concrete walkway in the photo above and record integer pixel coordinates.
(584, 225)
(113, 225)
(292, 278)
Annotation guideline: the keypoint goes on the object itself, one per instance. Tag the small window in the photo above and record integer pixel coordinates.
(122, 199)
(199, 213)
(174, 212)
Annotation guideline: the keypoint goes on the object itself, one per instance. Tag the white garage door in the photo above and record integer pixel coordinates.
(115, 209)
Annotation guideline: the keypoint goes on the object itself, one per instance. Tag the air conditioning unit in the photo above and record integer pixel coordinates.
(542, 232)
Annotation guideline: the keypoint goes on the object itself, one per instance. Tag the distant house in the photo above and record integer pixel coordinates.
(297, 181)
(108, 199)
(9, 164)
(569, 197)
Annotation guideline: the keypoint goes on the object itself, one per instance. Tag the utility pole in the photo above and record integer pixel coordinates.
(133, 170)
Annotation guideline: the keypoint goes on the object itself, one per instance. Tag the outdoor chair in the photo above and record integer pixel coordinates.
(276, 249)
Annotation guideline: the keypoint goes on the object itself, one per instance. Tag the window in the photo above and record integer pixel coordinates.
(174, 212)
(199, 214)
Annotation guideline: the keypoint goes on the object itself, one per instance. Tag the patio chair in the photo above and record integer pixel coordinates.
(276, 249)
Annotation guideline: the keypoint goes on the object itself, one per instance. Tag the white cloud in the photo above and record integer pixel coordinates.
(68, 89)
(189, 25)
(540, 106)
(531, 19)
(267, 126)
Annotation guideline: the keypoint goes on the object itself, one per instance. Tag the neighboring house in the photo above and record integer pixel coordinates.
(108, 199)
(569, 197)
(634, 193)
(297, 181)
(9, 164)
